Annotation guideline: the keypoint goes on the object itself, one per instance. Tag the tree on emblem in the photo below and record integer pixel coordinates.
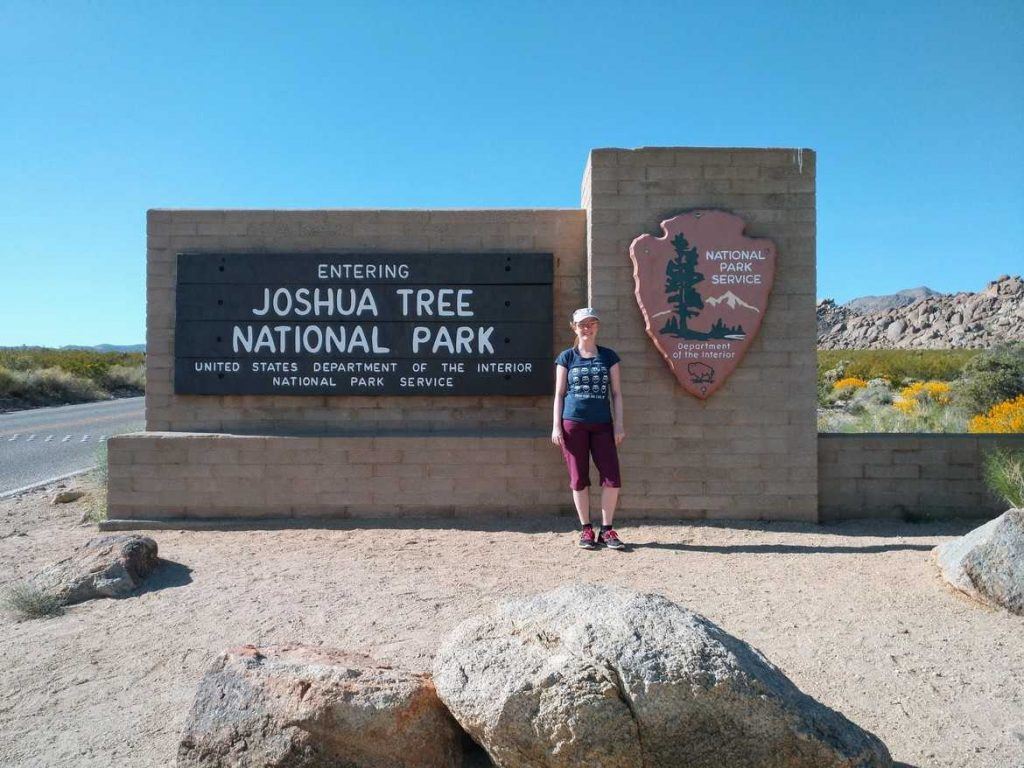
(681, 277)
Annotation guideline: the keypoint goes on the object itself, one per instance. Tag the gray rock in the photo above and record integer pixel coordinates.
(105, 566)
(66, 497)
(295, 706)
(600, 676)
(988, 563)
(895, 331)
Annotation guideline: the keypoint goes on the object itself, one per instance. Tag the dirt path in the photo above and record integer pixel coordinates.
(855, 614)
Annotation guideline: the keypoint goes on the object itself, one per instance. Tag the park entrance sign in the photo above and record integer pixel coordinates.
(703, 290)
(357, 363)
(374, 324)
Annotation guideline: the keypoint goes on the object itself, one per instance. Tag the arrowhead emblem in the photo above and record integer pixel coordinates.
(703, 290)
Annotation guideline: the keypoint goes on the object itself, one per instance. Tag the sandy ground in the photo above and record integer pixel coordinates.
(855, 614)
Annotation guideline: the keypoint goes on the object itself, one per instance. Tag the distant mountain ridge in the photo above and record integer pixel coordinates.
(109, 347)
(930, 321)
(865, 305)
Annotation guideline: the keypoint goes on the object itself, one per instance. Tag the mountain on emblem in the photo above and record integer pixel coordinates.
(702, 287)
(731, 300)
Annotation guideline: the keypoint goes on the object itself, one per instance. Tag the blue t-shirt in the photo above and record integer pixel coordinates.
(588, 385)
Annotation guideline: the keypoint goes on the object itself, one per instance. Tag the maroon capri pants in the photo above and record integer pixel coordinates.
(580, 440)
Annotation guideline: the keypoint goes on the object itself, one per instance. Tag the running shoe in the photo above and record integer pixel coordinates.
(587, 539)
(611, 539)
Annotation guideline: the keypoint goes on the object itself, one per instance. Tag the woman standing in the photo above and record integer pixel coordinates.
(585, 376)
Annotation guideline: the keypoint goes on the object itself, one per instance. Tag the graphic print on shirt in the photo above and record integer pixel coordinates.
(589, 381)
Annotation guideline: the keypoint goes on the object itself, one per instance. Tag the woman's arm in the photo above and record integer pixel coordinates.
(620, 429)
(561, 378)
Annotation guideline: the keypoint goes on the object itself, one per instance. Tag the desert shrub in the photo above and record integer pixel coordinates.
(27, 601)
(992, 377)
(8, 382)
(1004, 476)
(55, 385)
(925, 417)
(921, 393)
(848, 385)
(875, 394)
(46, 387)
(1007, 416)
(827, 380)
(85, 363)
(124, 379)
(31, 376)
(900, 366)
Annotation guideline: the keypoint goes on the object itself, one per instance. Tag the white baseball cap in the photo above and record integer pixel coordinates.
(582, 314)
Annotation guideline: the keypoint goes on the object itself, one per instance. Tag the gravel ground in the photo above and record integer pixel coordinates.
(854, 613)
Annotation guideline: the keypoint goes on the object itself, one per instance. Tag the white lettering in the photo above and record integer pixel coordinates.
(318, 338)
(282, 302)
(358, 337)
(266, 303)
(483, 340)
(443, 339)
(424, 300)
(264, 339)
(237, 338)
(420, 335)
(405, 293)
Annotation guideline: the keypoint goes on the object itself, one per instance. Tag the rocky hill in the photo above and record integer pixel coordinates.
(934, 321)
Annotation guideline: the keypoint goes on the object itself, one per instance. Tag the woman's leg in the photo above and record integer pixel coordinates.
(576, 450)
(606, 457)
(609, 500)
(582, 501)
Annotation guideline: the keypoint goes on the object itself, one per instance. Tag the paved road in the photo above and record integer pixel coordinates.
(43, 443)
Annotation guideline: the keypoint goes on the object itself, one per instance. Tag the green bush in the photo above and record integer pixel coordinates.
(876, 394)
(85, 363)
(129, 379)
(991, 377)
(47, 386)
(8, 382)
(899, 366)
(1004, 476)
(827, 379)
(32, 376)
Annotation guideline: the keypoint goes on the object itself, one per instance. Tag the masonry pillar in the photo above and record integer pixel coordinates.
(750, 450)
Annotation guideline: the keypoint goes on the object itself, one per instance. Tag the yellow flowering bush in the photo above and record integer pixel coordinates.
(923, 392)
(848, 385)
(1007, 416)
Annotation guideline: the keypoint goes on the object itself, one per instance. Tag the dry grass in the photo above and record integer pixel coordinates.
(25, 601)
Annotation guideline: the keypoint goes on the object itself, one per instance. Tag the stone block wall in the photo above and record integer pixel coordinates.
(171, 475)
(912, 476)
(750, 450)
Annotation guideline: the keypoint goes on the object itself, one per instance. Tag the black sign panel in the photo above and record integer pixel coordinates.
(373, 324)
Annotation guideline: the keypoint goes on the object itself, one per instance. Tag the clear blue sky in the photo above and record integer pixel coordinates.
(916, 111)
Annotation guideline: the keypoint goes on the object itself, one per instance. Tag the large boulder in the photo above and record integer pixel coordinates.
(988, 562)
(599, 676)
(113, 565)
(294, 706)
